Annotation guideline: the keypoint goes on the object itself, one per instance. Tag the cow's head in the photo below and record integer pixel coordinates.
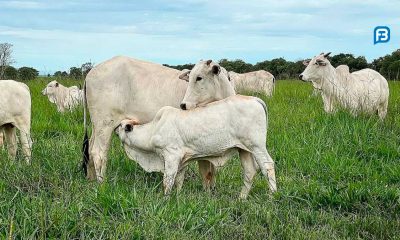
(208, 82)
(124, 128)
(316, 68)
(51, 88)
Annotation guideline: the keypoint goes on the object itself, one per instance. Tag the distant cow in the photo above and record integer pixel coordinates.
(361, 91)
(214, 132)
(15, 113)
(64, 98)
(126, 88)
(258, 81)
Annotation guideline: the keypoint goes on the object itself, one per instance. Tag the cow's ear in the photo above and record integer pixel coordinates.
(185, 75)
(208, 62)
(327, 54)
(216, 69)
(57, 84)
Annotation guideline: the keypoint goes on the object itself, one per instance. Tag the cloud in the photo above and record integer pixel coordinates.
(66, 33)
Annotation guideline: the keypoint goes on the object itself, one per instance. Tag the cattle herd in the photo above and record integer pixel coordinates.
(167, 118)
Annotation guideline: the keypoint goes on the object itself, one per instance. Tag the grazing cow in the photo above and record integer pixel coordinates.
(15, 113)
(361, 91)
(258, 81)
(214, 132)
(64, 98)
(126, 88)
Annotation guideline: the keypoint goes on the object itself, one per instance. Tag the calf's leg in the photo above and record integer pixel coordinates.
(267, 166)
(11, 140)
(249, 171)
(171, 165)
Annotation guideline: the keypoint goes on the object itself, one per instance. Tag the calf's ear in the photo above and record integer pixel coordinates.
(185, 75)
(128, 127)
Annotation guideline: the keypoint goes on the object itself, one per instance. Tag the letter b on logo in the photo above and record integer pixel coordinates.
(381, 34)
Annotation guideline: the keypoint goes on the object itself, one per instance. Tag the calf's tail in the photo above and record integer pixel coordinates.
(85, 145)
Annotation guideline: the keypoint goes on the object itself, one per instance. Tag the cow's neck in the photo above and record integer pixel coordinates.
(227, 89)
(333, 85)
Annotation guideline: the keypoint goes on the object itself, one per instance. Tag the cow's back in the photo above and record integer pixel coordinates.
(123, 88)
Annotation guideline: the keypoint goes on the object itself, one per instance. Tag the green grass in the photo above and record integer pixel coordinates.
(338, 178)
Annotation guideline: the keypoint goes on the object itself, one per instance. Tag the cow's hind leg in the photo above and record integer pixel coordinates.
(249, 171)
(26, 143)
(267, 166)
(99, 145)
(382, 110)
(11, 140)
(207, 171)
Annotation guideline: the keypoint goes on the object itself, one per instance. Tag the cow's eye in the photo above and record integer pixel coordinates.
(198, 78)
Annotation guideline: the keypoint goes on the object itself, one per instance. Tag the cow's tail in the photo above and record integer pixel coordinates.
(273, 84)
(85, 146)
(265, 108)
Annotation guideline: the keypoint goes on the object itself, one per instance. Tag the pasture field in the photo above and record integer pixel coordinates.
(338, 178)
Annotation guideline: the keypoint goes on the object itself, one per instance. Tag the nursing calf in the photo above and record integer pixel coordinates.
(214, 132)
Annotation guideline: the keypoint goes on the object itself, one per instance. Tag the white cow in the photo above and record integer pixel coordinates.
(125, 88)
(258, 81)
(214, 132)
(64, 98)
(15, 113)
(361, 91)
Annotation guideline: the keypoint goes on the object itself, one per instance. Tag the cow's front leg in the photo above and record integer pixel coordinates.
(171, 166)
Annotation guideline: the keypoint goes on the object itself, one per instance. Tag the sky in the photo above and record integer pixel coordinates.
(56, 35)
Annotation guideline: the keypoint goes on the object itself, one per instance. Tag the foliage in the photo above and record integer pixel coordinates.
(75, 73)
(27, 73)
(388, 66)
(10, 72)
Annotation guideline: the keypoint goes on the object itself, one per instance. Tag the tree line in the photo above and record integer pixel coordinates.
(388, 66)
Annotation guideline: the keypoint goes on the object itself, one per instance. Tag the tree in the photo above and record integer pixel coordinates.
(10, 73)
(57, 74)
(27, 73)
(86, 67)
(5, 57)
(75, 73)
(238, 65)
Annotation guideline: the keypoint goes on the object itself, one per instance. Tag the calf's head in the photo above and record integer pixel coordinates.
(316, 69)
(208, 82)
(124, 128)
